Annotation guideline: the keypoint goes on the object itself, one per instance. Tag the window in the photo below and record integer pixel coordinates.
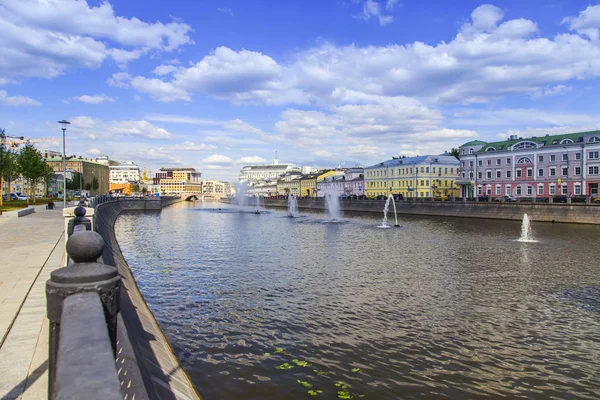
(577, 170)
(508, 174)
(490, 149)
(553, 157)
(593, 170)
(498, 174)
(565, 171)
(489, 162)
(577, 189)
(541, 172)
(421, 169)
(427, 182)
(524, 145)
(565, 190)
(593, 155)
(480, 163)
(489, 174)
(578, 156)
(541, 158)
(488, 190)
(519, 190)
(479, 190)
(470, 151)
(552, 171)
(566, 141)
(529, 190)
(540, 190)
(552, 189)
(507, 190)
(427, 170)
(422, 182)
(529, 172)
(498, 190)
(480, 175)
(498, 162)
(463, 175)
(524, 160)
(471, 175)
(565, 157)
(508, 161)
(519, 173)
(594, 139)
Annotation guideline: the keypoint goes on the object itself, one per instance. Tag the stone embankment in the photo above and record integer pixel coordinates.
(162, 375)
(541, 212)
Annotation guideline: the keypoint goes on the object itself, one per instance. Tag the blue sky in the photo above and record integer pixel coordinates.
(219, 84)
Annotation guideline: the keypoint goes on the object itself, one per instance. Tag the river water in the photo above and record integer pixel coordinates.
(270, 307)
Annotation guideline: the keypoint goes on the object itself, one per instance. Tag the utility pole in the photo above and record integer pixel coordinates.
(64, 124)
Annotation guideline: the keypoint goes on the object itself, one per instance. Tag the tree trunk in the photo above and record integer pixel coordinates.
(7, 197)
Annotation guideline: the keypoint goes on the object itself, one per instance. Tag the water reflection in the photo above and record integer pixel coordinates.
(439, 308)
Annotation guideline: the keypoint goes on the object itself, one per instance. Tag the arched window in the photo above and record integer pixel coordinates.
(524, 160)
(566, 141)
(524, 145)
(594, 139)
(490, 149)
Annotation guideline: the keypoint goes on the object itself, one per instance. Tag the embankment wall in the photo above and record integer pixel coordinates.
(542, 212)
(162, 374)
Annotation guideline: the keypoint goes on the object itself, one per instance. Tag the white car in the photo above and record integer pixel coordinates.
(21, 197)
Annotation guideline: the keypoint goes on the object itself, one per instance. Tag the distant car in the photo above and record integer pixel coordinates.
(13, 196)
(559, 199)
(381, 197)
(506, 198)
(441, 197)
(483, 198)
(21, 197)
(343, 197)
(362, 197)
(596, 200)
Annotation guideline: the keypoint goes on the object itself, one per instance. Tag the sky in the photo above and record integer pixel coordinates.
(218, 84)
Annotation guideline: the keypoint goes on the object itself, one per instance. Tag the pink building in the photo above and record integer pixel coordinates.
(543, 166)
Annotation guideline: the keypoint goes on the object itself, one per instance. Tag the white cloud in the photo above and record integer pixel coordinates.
(323, 153)
(182, 119)
(94, 152)
(551, 91)
(364, 151)
(218, 159)
(252, 160)
(38, 40)
(94, 128)
(586, 23)
(7, 100)
(164, 69)
(120, 79)
(390, 4)
(372, 9)
(6, 81)
(97, 99)
(160, 90)
(191, 146)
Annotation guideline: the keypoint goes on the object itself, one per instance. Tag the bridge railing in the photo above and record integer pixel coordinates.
(82, 307)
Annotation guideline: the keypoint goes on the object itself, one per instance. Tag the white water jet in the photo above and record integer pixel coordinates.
(332, 203)
(385, 212)
(292, 206)
(240, 194)
(259, 204)
(526, 234)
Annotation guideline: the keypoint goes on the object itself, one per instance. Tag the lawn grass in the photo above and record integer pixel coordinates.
(18, 204)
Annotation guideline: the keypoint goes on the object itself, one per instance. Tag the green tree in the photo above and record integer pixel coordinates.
(135, 188)
(95, 184)
(6, 160)
(454, 152)
(31, 166)
(76, 182)
(144, 190)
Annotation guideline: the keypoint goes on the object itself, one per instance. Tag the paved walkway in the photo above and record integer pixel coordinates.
(30, 248)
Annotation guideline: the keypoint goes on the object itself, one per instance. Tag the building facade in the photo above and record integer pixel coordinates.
(95, 176)
(178, 180)
(545, 166)
(421, 176)
(128, 172)
(252, 174)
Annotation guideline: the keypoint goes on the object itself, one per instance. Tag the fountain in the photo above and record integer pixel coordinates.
(259, 204)
(385, 211)
(240, 195)
(332, 203)
(526, 235)
(292, 206)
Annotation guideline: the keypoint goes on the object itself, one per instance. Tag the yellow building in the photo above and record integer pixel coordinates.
(95, 176)
(421, 176)
(308, 182)
(178, 180)
(289, 184)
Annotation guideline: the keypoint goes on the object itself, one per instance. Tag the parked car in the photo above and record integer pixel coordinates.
(483, 198)
(21, 197)
(343, 197)
(441, 197)
(559, 199)
(506, 198)
(362, 197)
(13, 196)
(596, 200)
(381, 197)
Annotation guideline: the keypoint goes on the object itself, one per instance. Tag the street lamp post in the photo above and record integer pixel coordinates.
(64, 124)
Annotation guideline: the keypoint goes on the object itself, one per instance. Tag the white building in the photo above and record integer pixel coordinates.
(252, 174)
(128, 172)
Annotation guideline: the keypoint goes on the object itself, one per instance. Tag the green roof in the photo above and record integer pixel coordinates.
(474, 143)
(547, 140)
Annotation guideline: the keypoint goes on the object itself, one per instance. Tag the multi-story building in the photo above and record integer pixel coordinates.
(252, 174)
(351, 183)
(308, 182)
(94, 175)
(128, 172)
(532, 167)
(178, 180)
(421, 176)
(289, 184)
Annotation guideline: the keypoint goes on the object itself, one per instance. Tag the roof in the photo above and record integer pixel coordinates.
(431, 159)
(474, 143)
(266, 166)
(187, 169)
(547, 140)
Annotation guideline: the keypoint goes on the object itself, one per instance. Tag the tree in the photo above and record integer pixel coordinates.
(5, 161)
(454, 152)
(31, 166)
(144, 190)
(76, 182)
(95, 184)
(135, 188)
